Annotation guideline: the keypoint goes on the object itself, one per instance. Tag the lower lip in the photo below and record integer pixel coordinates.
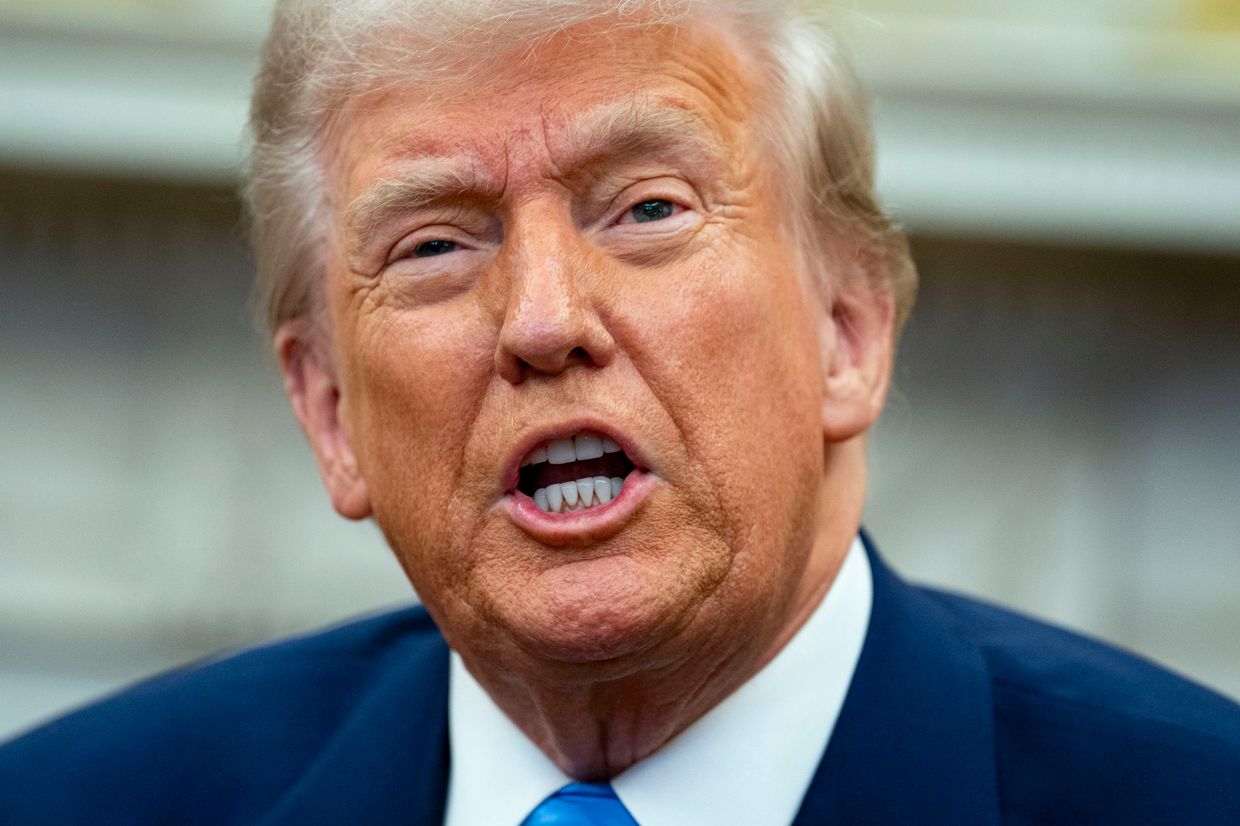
(594, 523)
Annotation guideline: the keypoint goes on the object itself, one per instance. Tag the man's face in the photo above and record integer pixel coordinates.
(590, 243)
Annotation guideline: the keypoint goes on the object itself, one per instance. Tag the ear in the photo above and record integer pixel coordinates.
(856, 352)
(310, 382)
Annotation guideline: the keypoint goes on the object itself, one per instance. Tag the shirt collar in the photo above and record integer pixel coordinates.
(749, 760)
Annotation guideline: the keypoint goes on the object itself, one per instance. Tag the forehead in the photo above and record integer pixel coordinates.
(562, 100)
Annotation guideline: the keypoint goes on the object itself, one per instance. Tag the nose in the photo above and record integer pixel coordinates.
(551, 321)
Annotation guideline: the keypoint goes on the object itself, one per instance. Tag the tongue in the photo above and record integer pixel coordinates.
(609, 465)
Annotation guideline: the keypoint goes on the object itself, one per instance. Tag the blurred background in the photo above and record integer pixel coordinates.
(1063, 435)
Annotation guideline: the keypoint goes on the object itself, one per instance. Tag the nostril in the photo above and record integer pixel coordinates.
(524, 353)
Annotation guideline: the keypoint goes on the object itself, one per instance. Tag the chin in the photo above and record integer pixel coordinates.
(596, 612)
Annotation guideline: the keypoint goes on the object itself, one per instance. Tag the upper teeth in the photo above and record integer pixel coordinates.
(584, 493)
(562, 451)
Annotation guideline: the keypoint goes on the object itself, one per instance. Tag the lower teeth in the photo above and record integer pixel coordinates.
(583, 494)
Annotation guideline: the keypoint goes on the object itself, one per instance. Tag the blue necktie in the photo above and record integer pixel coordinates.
(581, 804)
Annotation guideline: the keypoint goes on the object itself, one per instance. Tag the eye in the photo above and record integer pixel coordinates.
(429, 249)
(653, 210)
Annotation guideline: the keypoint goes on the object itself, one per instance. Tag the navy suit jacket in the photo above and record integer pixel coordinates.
(959, 713)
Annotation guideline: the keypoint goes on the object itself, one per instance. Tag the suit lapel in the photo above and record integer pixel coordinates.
(388, 762)
(914, 742)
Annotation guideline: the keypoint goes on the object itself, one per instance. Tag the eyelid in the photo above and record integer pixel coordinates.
(408, 243)
(627, 217)
(673, 190)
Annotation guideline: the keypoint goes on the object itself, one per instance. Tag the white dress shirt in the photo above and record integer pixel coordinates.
(748, 760)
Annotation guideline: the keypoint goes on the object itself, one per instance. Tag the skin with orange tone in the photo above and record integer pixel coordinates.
(697, 335)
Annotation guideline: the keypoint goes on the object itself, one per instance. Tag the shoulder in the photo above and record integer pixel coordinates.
(1085, 731)
(233, 731)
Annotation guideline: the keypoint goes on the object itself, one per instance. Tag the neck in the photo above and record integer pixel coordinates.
(596, 720)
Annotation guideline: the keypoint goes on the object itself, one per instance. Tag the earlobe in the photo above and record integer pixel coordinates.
(313, 392)
(856, 353)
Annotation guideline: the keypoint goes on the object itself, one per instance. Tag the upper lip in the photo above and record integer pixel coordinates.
(567, 429)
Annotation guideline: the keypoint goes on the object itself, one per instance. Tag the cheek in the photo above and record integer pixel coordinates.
(740, 343)
(415, 382)
(732, 352)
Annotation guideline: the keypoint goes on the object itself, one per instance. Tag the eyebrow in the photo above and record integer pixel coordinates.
(614, 131)
(636, 127)
(426, 181)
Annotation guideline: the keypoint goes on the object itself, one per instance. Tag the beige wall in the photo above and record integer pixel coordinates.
(1064, 438)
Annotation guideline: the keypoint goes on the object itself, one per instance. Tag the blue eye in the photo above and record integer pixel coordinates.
(428, 249)
(655, 210)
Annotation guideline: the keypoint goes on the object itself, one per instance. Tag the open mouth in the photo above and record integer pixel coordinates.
(573, 474)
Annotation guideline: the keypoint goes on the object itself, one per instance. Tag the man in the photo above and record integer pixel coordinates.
(590, 307)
